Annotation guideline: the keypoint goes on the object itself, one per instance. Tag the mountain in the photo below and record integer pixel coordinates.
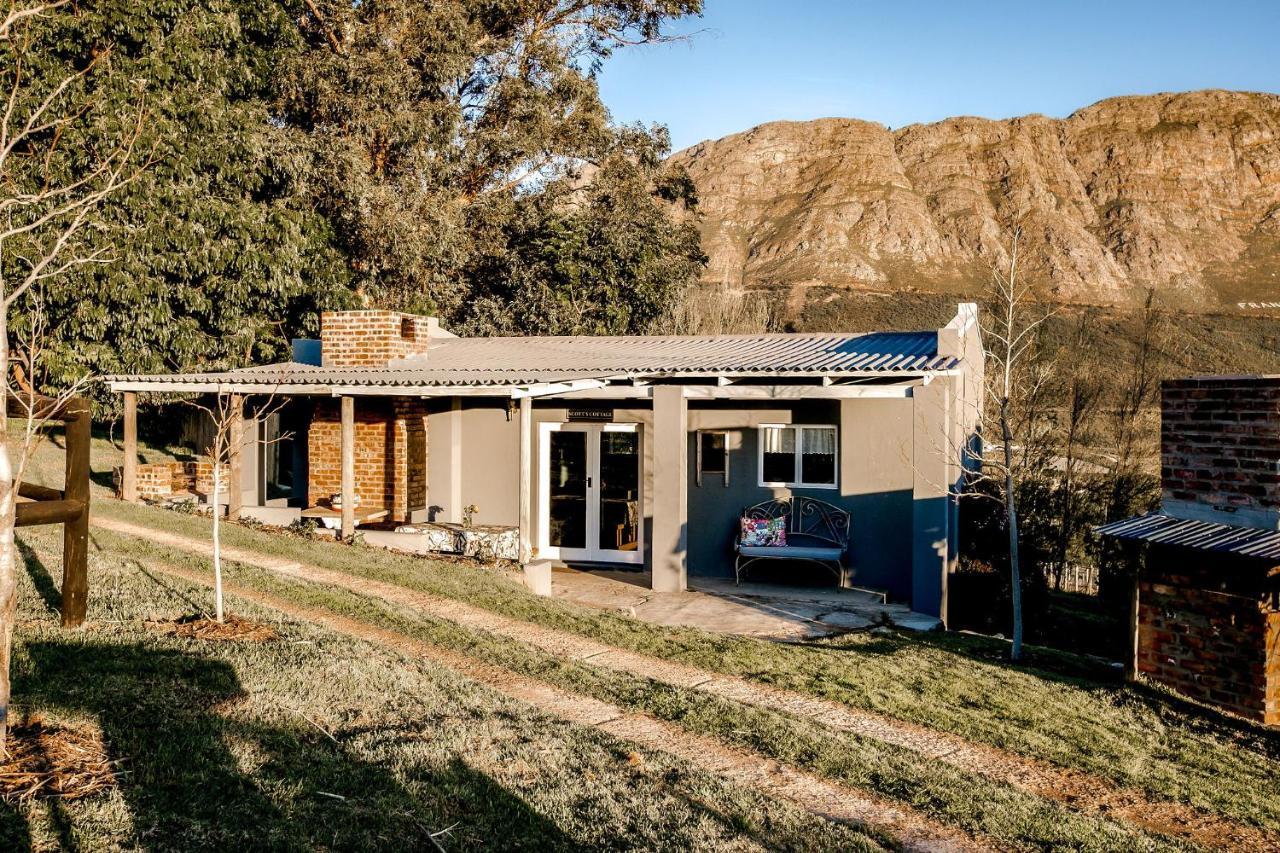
(1176, 192)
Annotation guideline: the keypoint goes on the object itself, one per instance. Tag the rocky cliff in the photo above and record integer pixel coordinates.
(1175, 192)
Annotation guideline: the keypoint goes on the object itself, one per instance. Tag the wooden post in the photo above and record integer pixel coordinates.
(235, 458)
(129, 473)
(348, 467)
(1131, 646)
(526, 479)
(75, 532)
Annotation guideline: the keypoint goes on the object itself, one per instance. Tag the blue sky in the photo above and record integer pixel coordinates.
(751, 61)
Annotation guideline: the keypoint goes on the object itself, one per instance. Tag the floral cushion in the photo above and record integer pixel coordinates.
(770, 532)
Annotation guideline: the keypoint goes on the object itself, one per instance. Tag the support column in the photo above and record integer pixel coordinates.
(670, 488)
(235, 459)
(348, 467)
(129, 472)
(935, 471)
(75, 532)
(526, 479)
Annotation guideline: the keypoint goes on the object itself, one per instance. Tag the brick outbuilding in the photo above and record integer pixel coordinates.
(1208, 592)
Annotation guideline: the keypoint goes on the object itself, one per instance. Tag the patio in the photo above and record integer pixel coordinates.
(766, 611)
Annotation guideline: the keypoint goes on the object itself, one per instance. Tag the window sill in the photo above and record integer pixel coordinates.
(828, 486)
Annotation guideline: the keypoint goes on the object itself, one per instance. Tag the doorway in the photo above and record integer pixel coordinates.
(589, 492)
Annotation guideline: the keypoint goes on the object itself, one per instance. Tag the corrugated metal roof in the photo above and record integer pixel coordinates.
(537, 360)
(780, 353)
(1201, 535)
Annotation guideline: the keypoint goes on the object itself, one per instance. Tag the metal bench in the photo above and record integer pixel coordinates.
(817, 532)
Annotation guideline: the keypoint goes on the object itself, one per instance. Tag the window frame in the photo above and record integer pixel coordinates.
(697, 469)
(799, 457)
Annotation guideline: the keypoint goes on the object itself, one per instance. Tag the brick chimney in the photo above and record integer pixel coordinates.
(1220, 450)
(374, 338)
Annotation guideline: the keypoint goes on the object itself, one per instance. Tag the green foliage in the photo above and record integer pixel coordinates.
(463, 154)
(452, 157)
(211, 260)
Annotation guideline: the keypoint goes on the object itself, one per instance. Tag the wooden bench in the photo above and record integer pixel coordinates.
(817, 532)
(331, 518)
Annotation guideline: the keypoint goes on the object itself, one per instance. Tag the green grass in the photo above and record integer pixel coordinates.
(943, 792)
(222, 747)
(1065, 709)
(1058, 707)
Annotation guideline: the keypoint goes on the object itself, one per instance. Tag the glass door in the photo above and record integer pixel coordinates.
(567, 483)
(589, 492)
(618, 538)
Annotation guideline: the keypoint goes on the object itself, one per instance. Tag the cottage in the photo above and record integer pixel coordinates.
(1207, 599)
(637, 450)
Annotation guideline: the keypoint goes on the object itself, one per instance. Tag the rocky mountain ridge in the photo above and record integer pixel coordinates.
(1176, 192)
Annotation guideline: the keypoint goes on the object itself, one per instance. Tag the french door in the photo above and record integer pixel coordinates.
(589, 490)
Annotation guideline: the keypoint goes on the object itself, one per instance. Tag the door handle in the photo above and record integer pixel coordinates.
(588, 482)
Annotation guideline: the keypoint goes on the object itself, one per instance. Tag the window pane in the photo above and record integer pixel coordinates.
(619, 490)
(568, 511)
(818, 457)
(778, 464)
(713, 452)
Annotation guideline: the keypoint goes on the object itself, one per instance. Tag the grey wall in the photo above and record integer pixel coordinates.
(878, 481)
(481, 440)
(874, 486)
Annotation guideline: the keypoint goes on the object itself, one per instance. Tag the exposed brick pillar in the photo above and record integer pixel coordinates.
(390, 454)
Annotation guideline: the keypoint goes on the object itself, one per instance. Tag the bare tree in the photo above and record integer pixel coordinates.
(1015, 386)
(1084, 388)
(227, 415)
(44, 223)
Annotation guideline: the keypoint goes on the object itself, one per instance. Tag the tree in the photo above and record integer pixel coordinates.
(226, 414)
(51, 195)
(1015, 383)
(1084, 392)
(225, 262)
(469, 168)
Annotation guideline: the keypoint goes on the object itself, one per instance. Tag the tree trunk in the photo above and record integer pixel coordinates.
(8, 546)
(217, 539)
(1011, 515)
(1068, 510)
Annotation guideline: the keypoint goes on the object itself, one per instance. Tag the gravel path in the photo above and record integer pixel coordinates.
(1079, 790)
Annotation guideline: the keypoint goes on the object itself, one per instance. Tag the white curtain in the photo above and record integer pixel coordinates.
(779, 440)
(820, 441)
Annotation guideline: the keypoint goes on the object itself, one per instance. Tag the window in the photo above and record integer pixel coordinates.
(798, 456)
(713, 455)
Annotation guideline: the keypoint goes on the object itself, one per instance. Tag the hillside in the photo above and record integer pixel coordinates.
(1177, 192)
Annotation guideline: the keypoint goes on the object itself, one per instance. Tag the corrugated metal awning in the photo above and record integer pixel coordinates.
(543, 361)
(1200, 535)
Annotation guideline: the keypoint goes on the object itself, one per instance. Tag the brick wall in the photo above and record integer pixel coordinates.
(390, 448)
(162, 479)
(372, 338)
(1220, 446)
(1209, 628)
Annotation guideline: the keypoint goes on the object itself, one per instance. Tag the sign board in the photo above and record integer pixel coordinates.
(595, 415)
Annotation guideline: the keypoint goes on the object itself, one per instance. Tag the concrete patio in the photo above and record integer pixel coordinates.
(767, 611)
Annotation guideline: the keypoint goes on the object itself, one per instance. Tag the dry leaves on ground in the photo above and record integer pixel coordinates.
(51, 761)
(202, 627)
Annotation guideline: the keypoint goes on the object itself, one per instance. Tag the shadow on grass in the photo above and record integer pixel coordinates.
(41, 577)
(169, 716)
(1078, 671)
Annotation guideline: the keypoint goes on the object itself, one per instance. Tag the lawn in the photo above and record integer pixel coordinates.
(1066, 710)
(314, 740)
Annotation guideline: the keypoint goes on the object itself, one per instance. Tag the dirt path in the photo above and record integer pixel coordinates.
(774, 779)
(1078, 790)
